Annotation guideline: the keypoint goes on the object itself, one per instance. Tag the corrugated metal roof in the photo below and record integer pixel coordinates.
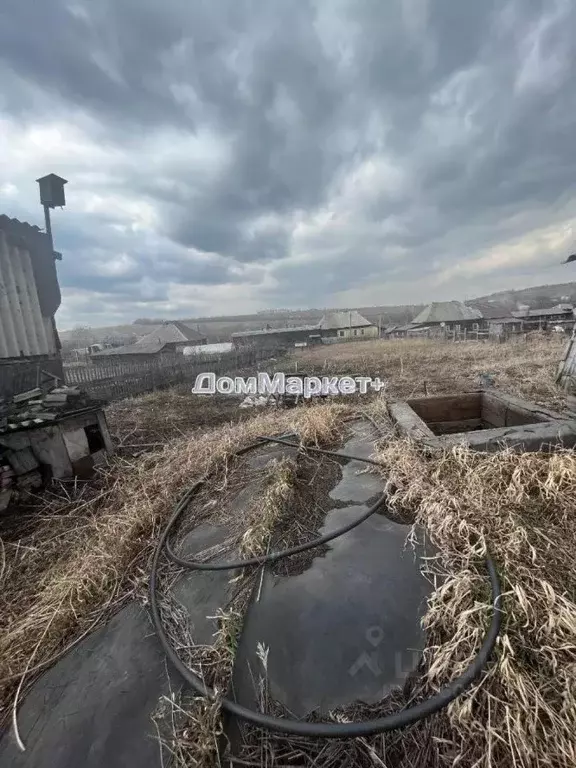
(29, 291)
(350, 319)
(447, 312)
(18, 230)
(270, 331)
(170, 333)
(489, 310)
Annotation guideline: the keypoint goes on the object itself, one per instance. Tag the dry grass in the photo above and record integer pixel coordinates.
(258, 530)
(152, 419)
(522, 508)
(62, 568)
(419, 366)
(189, 727)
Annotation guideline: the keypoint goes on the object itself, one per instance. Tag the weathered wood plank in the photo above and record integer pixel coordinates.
(567, 367)
(114, 379)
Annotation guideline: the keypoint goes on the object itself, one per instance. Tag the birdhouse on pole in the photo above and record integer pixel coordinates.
(52, 191)
(51, 196)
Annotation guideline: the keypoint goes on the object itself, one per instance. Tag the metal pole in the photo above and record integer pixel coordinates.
(48, 225)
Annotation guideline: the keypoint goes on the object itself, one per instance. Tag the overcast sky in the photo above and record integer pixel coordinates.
(233, 155)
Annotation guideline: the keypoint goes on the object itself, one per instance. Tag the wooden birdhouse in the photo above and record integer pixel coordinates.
(52, 191)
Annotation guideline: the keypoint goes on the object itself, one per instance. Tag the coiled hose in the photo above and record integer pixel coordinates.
(391, 722)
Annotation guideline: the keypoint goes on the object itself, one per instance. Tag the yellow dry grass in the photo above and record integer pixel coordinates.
(522, 508)
(254, 541)
(416, 366)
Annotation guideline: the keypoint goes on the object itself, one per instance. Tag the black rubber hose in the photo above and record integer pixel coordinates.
(394, 721)
(272, 557)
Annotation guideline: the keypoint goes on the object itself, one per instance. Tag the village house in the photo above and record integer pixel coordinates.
(169, 339)
(447, 316)
(272, 338)
(350, 325)
(333, 327)
(542, 319)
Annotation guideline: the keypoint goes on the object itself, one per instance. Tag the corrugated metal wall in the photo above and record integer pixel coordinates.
(24, 331)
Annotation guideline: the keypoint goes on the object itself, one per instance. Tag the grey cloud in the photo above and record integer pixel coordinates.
(159, 263)
(78, 52)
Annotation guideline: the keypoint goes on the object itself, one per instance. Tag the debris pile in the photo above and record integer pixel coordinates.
(37, 407)
(33, 446)
(258, 401)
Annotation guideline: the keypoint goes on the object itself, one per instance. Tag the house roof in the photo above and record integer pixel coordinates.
(447, 312)
(557, 310)
(170, 333)
(265, 331)
(18, 230)
(490, 310)
(150, 348)
(350, 319)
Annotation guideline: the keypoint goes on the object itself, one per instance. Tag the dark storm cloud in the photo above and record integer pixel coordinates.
(473, 103)
(120, 266)
(75, 51)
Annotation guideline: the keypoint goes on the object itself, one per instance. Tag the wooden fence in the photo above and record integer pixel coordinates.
(28, 373)
(117, 380)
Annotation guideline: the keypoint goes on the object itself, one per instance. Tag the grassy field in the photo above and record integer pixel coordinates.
(77, 554)
(419, 366)
(410, 367)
